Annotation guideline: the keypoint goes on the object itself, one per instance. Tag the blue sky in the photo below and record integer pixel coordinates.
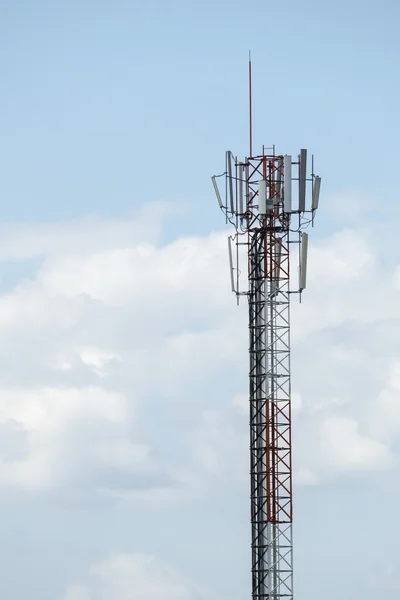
(108, 106)
(123, 425)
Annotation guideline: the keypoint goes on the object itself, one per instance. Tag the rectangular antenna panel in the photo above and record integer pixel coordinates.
(216, 191)
(246, 176)
(277, 267)
(279, 178)
(262, 197)
(231, 262)
(287, 183)
(303, 261)
(230, 182)
(240, 184)
(302, 180)
(316, 190)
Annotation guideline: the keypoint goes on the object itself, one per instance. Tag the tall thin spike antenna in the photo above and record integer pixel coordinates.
(271, 227)
(250, 107)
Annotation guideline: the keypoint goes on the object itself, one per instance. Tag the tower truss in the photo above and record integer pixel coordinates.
(269, 218)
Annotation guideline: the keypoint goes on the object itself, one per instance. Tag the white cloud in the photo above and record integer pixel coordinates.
(67, 436)
(97, 359)
(384, 578)
(347, 256)
(241, 403)
(346, 448)
(78, 592)
(152, 333)
(219, 445)
(116, 326)
(347, 281)
(383, 417)
(133, 576)
(23, 241)
(305, 476)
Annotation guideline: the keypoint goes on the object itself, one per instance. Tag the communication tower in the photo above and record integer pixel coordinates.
(266, 201)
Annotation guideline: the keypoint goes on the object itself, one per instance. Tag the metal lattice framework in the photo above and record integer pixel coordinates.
(270, 422)
(259, 205)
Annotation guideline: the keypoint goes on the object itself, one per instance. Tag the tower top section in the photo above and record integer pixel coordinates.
(269, 192)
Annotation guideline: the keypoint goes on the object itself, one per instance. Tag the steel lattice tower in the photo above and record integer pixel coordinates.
(269, 218)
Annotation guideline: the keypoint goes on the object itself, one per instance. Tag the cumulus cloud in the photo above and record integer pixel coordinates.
(25, 241)
(345, 336)
(93, 335)
(384, 578)
(344, 447)
(129, 576)
(55, 436)
(115, 340)
(219, 445)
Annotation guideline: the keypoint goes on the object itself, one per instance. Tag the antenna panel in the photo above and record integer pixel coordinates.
(231, 262)
(246, 175)
(316, 190)
(279, 178)
(262, 197)
(230, 181)
(217, 191)
(302, 180)
(240, 185)
(303, 261)
(277, 267)
(287, 183)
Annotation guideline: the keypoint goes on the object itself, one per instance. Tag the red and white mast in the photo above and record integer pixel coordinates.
(266, 202)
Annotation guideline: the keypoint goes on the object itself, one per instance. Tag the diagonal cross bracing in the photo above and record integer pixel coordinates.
(270, 407)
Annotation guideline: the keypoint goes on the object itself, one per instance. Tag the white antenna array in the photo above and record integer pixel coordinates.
(272, 196)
